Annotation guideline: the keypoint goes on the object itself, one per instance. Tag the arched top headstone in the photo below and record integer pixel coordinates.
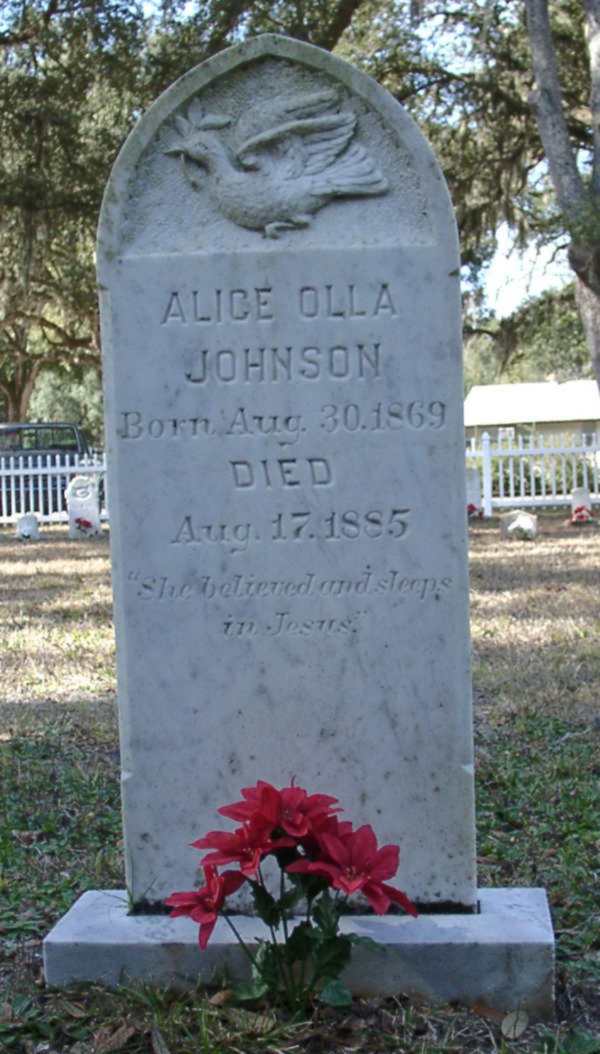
(282, 364)
(270, 144)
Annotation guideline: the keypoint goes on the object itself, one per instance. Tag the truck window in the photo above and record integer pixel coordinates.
(57, 439)
(9, 442)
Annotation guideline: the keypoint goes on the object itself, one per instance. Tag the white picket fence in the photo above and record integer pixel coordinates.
(536, 471)
(36, 483)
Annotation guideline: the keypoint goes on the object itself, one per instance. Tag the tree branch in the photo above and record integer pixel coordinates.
(592, 33)
(340, 20)
(548, 103)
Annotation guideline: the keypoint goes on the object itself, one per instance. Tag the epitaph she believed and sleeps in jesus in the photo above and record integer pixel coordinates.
(281, 330)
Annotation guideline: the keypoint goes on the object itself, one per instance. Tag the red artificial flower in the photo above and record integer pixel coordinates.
(203, 905)
(353, 863)
(245, 846)
(324, 824)
(581, 514)
(290, 808)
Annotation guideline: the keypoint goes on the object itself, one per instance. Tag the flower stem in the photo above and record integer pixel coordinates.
(283, 914)
(286, 977)
(238, 937)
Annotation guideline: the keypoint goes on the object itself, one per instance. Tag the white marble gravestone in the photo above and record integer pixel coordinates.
(474, 506)
(279, 278)
(27, 528)
(83, 504)
(284, 426)
(580, 497)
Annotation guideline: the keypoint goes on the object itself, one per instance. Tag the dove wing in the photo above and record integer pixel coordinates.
(354, 173)
(308, 145)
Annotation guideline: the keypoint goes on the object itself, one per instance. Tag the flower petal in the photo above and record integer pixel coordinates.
(364, 847)
(400, 898)
(377, 897)
(338, 850)
(205, 931)
(386, 862)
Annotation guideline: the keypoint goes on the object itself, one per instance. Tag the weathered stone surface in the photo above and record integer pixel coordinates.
(502, 958)
(285, 441)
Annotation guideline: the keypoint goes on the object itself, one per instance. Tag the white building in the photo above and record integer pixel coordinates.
(545, 408)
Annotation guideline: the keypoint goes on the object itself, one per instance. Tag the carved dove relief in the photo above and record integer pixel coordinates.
(277, 178)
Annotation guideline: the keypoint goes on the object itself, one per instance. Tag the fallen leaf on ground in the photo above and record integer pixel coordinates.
(74, 1009)
(221, 998)
(109, 1039)
(489, 1012)
(249, 1022)
(514, 1024)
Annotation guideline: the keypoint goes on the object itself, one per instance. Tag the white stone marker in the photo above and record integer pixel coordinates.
(279, 274)
(518, 525)
(83, 504)
(27, 528)
(474, 506)
(580, 497)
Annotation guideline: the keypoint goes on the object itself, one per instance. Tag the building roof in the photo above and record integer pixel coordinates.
(512, 404)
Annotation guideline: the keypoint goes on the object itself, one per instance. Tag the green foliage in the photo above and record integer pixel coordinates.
(70, 78)
(549, 340)
(542, 340)
(313, 953)
(70, 395)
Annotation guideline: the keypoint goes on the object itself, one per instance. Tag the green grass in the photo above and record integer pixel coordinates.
(537, 689)
(539, 825)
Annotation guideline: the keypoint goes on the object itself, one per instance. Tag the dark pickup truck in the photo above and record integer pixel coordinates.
(31, 456)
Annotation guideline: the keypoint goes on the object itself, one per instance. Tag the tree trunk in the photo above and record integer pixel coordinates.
(16, 391)
(588, 305)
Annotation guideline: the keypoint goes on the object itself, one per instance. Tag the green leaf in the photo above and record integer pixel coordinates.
(247, 991)
(290, 899)
(356, 938)
(331, 955)
(335, 994)
(326, 914)
(301, 943)
(266, 906)
(581, 1043)
(310, 885)
(266, 965)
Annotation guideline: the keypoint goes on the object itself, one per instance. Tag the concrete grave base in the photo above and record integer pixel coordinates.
(502, 958)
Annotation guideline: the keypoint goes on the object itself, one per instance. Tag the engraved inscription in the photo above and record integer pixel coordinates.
(276, 168)
(370, 582)
(236, 537)
(133, 424)
(329, 300)
(282, 472)
(349, 525)
(298, 525)
(285, 625)
(349, 418)
(285, 427)
(272, 365)
(229, 305)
